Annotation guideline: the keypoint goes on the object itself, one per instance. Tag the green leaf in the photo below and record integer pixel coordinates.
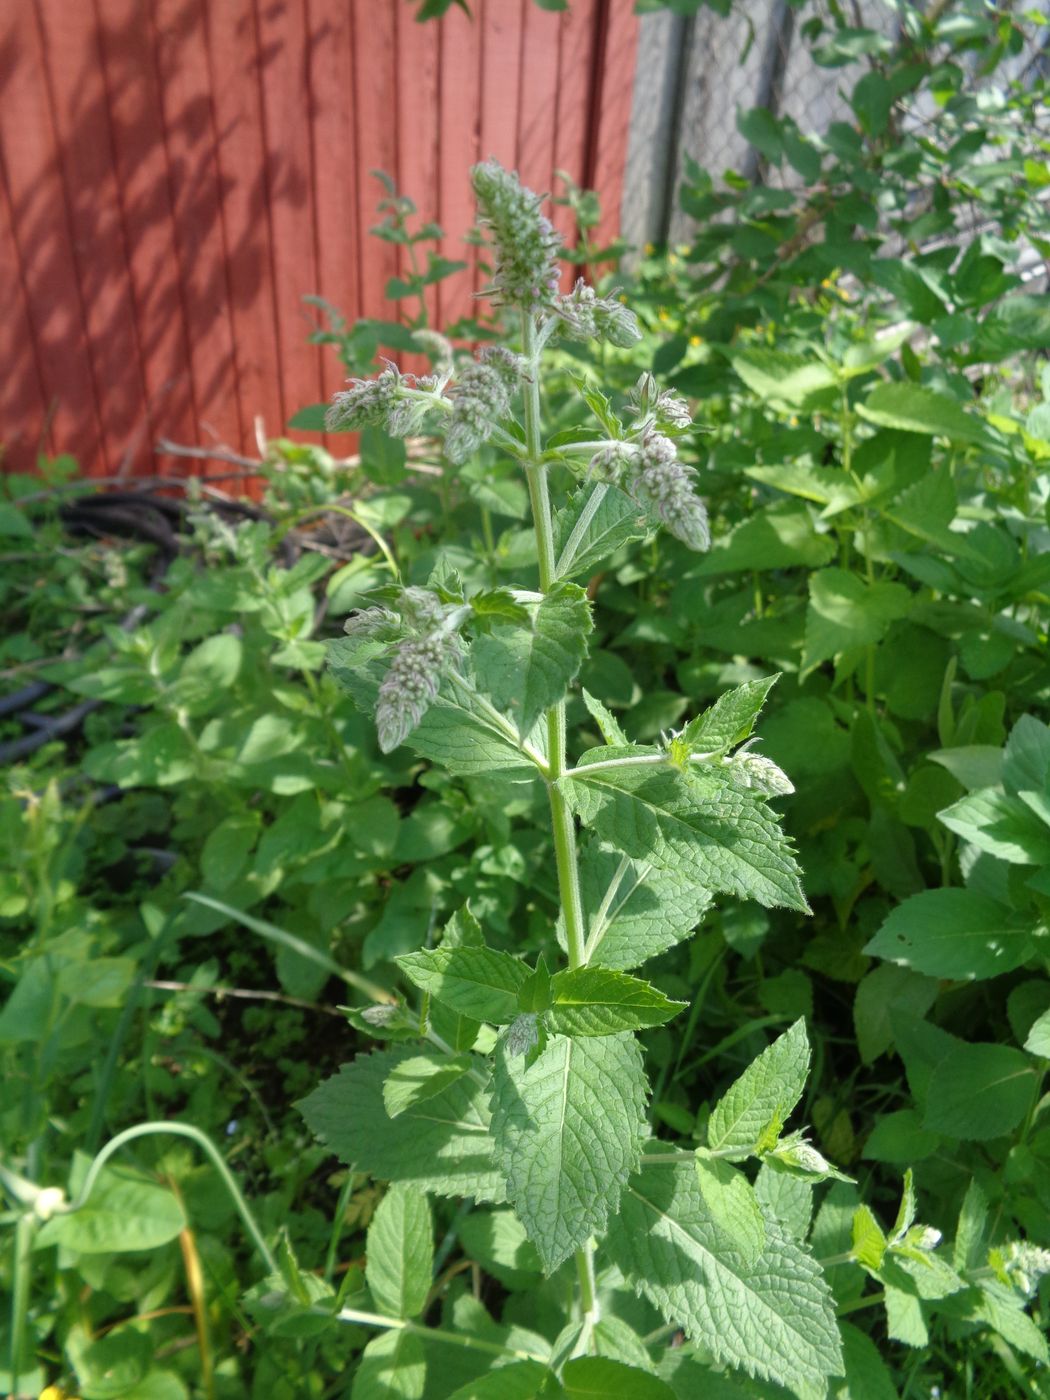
(400, 1253)
(442, 1145)
(457, 730)
(915, 409)
(607, 723)
(632, 911)
(782, 535)
(522, 1380)
(383, 458)
(979, 1092)
(568, 1130)
(1038, 1041)
(120, 1216)
(764, 1095)
(1003, 1311)
(496, 1240)
(421, 1078)
(598, 1001)
(392, 1367)
(731, 1199)
(1002, 825)
(310, 419)
(499, 605)
(779, 378)
(546, 659)
(477, 982)
(845, 612)
(952, 933)
(730, 719)
(761, 129)
(599, 1378)
(596, 522)
(869, 1240)
(867, 1375)
(696, 823)
(773, 1318)
(1026, 757)
(904, 1320)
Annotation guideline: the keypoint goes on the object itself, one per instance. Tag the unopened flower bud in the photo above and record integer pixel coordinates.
(587, 316)
(613, 459)
(665, 407)
(367, 402)
(761, 774)
(526, 244)
(50, 1199)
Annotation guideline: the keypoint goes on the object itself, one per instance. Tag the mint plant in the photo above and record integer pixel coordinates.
(520, 1079)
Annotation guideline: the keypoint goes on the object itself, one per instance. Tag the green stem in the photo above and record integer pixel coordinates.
(561, 818)
(206, 1145)
(460, 1339)
(23, 1245)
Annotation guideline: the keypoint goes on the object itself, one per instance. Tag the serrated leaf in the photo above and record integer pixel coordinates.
(392, 1367)
(696, 823)
(480, 983)
(600, 1378)
(952, 933)
(457, 730)
(420, 1078)
(597, 1001)
(780, 378)
(734, 1207)
(499, 605)
(400, 1253)
(766, 1093)
(904, 1320)
(773, 1318)
(1003, 1312)
(442, 1145)
(632, 911)
(979, 1092)
(869, 1239)
(867, 1375)
(462, 931)
(546, 657)
(607, 723)
(730, 719)
(916, 409)
(568, 1131)
(596, 522)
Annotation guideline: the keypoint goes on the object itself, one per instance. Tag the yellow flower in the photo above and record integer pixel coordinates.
(696, 340)
(623, 297)
(793, 421)
(52, 1392)
(663, 314)
(650, 248)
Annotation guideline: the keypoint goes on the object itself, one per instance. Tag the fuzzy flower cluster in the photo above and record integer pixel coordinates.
(394, 399)
(587, 316)
(660, 408)
(650, 472)
(664, 486)
(482, 397)
(410, 685)
(422, 643)
(526, 243)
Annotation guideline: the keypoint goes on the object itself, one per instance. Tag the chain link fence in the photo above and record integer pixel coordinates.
(696, 73)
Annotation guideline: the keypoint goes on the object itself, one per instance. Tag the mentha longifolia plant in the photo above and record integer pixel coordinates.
(506, 1081)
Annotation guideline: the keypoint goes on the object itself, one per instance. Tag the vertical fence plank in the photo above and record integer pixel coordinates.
(24, 427)
(460, 147)
(243, 179)
(130, 76)
(336, 170)
(80, 108)
(375, 115)
(612, 114)
(202, 261)
(288, 108)
(575, 59)
(417, 159)
(42, 231)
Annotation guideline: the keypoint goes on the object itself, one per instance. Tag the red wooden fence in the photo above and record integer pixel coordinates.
(176, 174)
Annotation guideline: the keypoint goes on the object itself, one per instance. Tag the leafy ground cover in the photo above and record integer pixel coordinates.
(217, 856)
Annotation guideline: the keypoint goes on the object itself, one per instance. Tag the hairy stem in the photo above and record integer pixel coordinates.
(561, 818)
